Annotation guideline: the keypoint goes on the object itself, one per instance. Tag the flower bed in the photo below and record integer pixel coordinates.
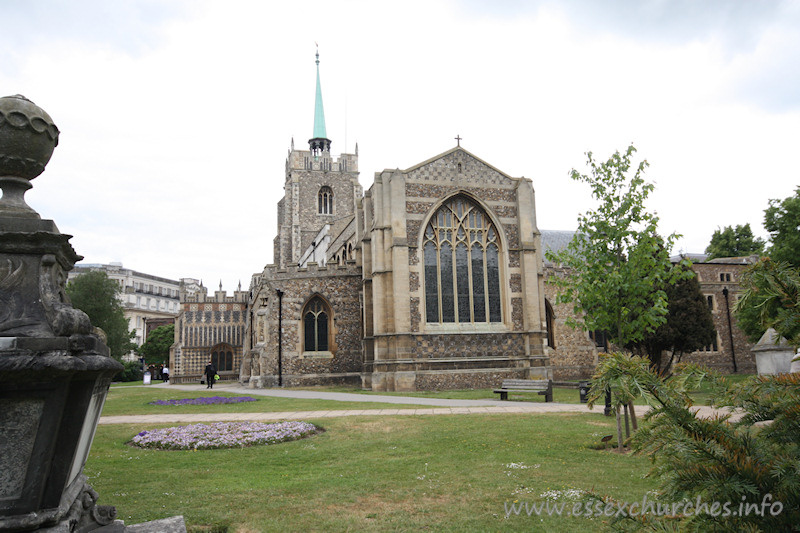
(213, 400)
(223, 435)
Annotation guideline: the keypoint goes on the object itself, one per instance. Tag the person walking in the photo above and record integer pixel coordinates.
(210, 372)
(165, 373)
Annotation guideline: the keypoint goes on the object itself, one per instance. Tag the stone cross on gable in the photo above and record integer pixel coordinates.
(458, 140)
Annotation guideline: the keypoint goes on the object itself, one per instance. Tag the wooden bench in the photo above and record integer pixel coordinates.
(541, 386)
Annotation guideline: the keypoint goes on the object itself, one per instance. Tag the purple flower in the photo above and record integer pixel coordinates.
(213, 400)
(223, 435)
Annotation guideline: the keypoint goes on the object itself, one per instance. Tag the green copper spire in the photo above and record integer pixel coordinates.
(319, 112)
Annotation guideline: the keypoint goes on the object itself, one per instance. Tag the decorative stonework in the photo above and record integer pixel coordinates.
(49, 354)
(27, 137)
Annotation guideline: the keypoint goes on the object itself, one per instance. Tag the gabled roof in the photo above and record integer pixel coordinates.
(452, 151)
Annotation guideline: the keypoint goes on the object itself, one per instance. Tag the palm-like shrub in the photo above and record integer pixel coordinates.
(744, 463)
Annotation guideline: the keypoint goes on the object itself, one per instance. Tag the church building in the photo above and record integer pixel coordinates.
(433, 278)
(430, 279)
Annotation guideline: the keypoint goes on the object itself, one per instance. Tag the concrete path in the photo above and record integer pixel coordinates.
(337, 396)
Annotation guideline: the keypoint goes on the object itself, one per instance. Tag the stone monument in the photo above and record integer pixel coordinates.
(54, 370)
(773, 354)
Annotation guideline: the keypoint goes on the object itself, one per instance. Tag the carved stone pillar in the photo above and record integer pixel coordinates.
(54, 372)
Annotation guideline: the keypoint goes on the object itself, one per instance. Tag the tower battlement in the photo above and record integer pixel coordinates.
(306, 160)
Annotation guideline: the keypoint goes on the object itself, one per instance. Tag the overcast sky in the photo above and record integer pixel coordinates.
(176, 116)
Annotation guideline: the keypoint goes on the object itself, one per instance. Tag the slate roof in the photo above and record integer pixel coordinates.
(555, 240)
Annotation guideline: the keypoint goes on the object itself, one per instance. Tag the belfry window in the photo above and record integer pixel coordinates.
(315, 326)
(461, 255)
(325, 201)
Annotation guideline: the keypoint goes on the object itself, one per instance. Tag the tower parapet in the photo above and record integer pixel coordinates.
(306, 160)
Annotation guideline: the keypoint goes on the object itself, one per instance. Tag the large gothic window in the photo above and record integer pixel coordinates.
(325, 201)
(315, 326)
(222, 357)
(461, 255)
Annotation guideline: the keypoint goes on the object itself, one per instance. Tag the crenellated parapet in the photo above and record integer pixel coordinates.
(305, 160)
(311, 270)
(217, 297)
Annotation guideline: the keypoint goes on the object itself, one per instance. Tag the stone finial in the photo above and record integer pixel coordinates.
(28, 137)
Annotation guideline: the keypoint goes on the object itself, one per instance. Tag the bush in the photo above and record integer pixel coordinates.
(131, 372)
(744, 463)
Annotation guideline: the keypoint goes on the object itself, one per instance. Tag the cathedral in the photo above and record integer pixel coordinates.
(434, 278)
(430, 279)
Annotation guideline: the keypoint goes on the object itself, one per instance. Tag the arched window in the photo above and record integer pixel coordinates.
(222, 357)
(315, 326)
(550, 317)
(461, 255)
(325, 201)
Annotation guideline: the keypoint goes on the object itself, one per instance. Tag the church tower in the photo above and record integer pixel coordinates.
(320, 197)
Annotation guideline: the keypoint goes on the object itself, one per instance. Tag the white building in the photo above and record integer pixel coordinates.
(143, 296)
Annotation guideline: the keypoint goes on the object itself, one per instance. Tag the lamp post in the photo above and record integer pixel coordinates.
(54, 370)
(730, 328)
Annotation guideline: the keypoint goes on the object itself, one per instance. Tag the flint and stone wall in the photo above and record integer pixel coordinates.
(402, 351)
(339, 286)
(203, 323)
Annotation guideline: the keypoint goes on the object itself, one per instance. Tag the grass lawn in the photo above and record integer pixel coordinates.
(128, 400)
(367, 473)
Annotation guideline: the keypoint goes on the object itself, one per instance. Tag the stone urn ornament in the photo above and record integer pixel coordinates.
(54, 370)
(28, 137)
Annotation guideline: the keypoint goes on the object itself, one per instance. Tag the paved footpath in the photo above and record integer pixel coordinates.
(434, 406)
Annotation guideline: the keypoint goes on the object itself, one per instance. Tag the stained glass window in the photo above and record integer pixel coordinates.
(461, 257)
(315, 326)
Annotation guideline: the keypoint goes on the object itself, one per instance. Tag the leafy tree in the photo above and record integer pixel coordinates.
(771, 299)
(734, 242)
(781, 219)
(96, 295)
(617, 264)
(689, 324)
(132, 371)
(156, 349)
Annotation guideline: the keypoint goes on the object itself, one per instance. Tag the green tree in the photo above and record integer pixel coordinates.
(782, 220)
(734, 242)
(689, 324)
(156, 349)
(96, 295)
(771, 299)
(617, 264)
